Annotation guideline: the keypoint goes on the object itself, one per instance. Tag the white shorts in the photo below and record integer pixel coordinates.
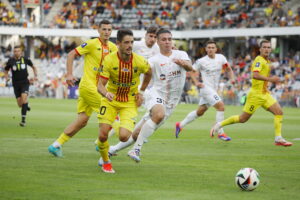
(152, 98)
(208, 96)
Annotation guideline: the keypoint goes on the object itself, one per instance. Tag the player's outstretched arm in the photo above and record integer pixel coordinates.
(186, 64)
(231, 74)
(195, 79)
(273, 79)
(70, 79)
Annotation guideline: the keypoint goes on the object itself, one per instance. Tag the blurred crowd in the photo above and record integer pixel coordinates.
(249, 14)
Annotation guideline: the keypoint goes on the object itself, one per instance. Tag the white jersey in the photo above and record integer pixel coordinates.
(142, 49)
(168, 78)
(210, 69)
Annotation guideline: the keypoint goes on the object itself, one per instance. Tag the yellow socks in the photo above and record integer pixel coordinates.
(103, 149)
(277, 124)
(63, 138)
(231, 120)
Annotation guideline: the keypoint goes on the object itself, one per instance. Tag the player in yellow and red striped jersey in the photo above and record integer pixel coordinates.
(118, 84)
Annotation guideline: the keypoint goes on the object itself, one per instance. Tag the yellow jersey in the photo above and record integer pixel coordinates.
(94, 52)
(123, 77)
(262, 66)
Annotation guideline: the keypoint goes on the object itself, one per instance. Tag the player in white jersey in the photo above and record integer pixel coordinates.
(147, 47)
(210, 67)
(168, 75)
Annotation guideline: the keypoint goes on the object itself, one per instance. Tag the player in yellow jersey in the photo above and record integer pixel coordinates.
(259, 96)
(89, 99)
(118, 84)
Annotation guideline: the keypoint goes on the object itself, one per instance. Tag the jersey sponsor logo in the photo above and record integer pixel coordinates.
(162, 77)
(125, 70)
(257, 64)
(83, 45)
(124, 84)
(175, 73)
(163, 64)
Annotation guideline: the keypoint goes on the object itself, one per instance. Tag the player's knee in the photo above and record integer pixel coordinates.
(123, 138)
(243, 119)
(103, 137)
(158, 117)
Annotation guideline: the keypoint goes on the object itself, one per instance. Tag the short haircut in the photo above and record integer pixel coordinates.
(105, 21)
(17, 47)
(122, 33)
(161, 31)
(210, 42)
(263, 41)
(152, 29)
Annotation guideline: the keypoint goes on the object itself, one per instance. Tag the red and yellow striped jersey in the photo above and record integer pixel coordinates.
(123, 77)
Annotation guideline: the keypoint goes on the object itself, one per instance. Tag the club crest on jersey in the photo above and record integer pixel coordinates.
(162, 77)
(99, 49)
(83, 45)
(257, 64)
(135, 69)
(14, 68)
(115, 68)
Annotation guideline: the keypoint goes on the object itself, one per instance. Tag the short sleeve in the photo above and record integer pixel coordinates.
(84, 48)
(145, 65)
(257, 65)
(105, 68)
(8, 65)
(197, 65)
(184, 56)
(28, 62)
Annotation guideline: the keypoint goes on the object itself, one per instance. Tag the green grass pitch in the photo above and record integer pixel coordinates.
(194, 166)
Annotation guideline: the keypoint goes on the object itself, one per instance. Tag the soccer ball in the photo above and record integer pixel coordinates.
(247, 179)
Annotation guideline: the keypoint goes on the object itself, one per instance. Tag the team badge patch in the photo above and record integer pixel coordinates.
(162, 77)
(257, 64)
(83, 45)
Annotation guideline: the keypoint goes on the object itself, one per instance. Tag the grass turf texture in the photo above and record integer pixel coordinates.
(191, 167)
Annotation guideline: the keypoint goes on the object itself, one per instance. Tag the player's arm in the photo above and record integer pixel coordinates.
(273, 79)
(185, 64)
(102, 89)
(231, 74)
(140, 95)
(195, 80)
(6, 70)
(70, 79)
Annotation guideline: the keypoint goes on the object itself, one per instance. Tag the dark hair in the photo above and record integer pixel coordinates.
(152, 29)
(263, 41)
(105, 21)
(122, 33)
(210, 42)
(17, 47)
(161, 31)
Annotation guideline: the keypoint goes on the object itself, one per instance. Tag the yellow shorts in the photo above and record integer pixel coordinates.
(127, 112)
(88, 101)
(255, 100)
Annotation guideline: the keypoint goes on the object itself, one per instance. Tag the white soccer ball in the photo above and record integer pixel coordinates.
(247, 179)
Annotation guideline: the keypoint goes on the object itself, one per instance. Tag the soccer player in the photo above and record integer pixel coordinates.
(18, 65)
(121, 73)
(259, 96)
(89, 99)
(147, 47)
(169, 69)
(210, 67)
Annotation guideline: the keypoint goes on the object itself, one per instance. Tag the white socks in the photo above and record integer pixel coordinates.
(219, 118)
(122, 145)
(189, 118)
(146, 131)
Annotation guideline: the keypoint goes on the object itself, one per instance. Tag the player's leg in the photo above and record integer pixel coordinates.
(219, 106)
(157, 114)
(276, 109)
(24, 102)
(106, 117)
(252, 104)
(190, 117)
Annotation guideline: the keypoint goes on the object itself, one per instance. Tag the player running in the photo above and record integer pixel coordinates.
(259, 95)
(210, 67)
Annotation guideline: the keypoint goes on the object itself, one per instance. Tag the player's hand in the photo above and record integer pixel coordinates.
(274, 79)
(180, 62)
(70, 79)
(139, 98)
(200, 85)
(109, 96)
